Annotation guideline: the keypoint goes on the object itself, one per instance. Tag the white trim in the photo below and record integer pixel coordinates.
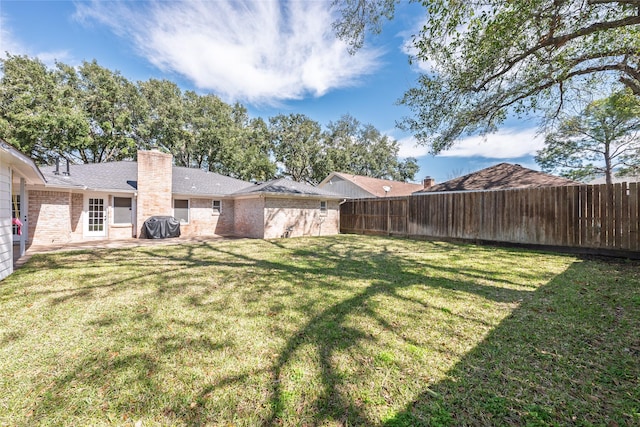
(23, 164)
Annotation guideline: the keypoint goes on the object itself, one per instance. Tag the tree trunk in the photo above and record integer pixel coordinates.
(607, 161)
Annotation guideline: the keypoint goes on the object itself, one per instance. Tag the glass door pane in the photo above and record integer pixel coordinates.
(96, 216)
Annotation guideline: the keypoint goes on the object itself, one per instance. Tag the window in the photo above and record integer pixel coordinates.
(217, 207)
(181, 210)
(323, 208)
(122, 210)
(96, 215)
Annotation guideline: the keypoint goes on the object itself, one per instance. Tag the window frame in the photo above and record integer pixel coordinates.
(188, 209)
(323, 207)
(216, 210)
(114, 216)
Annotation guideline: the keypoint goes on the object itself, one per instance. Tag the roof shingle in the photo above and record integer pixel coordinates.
(123, 176)
(500, 176)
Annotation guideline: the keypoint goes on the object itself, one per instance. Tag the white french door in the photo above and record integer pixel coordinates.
(95, 222)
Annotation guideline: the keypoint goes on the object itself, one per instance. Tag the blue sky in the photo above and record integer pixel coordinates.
(273, 57)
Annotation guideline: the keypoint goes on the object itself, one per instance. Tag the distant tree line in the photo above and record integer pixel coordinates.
(90, 114)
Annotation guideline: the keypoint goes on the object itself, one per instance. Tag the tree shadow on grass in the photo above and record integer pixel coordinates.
(329, 333)
(333, 265)
(569, 355)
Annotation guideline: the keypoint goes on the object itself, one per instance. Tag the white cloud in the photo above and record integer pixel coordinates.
(408, 48)
(258, 51)
(504, 144)
(408, 147)
(9, 43)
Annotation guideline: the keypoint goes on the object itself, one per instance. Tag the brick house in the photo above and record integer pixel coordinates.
(112, 201)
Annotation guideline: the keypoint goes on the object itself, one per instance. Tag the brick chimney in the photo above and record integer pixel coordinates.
(154, 185)
(428, 182)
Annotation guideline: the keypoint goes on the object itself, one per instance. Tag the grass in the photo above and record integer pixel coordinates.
(344, 330)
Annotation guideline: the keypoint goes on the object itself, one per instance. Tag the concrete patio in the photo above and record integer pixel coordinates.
(106, 244)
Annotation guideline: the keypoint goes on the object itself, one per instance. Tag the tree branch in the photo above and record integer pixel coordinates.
(548, 84)
(632, 2)
(558, 42)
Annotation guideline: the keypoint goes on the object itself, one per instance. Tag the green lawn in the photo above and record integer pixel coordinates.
(344, 330)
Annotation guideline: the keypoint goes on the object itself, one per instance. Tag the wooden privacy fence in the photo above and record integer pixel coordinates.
(585, 216)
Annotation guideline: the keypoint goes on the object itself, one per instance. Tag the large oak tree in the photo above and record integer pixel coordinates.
(491, 58)
(91, 114)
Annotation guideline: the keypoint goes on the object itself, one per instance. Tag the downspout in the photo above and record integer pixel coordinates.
(134, 215)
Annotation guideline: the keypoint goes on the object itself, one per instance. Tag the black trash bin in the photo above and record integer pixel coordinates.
(161, 227)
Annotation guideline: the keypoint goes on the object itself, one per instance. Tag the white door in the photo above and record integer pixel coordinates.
(95, 222)
(16, 211)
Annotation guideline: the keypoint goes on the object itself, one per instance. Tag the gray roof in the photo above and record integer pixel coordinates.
(200, 182)
(95, 176)
(124, 176)
(289, 187)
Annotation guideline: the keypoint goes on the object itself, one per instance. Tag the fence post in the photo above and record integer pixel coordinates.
(388, 217)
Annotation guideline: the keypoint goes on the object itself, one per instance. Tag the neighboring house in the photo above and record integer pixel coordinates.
(112, 201)
(615, 179)
(16, 172)
(358, 186)
(500, 177)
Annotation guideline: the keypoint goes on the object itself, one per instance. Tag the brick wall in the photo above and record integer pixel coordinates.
(77, 206)
(249, 218)
(154, 185)
(49, 217)
(120, 231)
(303, 215)
(203, 221)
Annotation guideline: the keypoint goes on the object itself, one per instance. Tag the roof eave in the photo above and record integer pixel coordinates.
(202, 195)
(24, 164)
(287, 196)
